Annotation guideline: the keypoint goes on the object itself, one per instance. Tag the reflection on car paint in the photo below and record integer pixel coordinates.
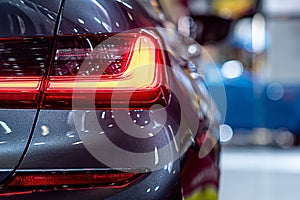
(45, 130)
(15, 128)
(6, 129)
(24, 18)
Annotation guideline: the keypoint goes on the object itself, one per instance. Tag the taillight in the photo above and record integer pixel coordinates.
(123, 70)
(29, 182)
(19, 92)
(23, 63)
(117, 179)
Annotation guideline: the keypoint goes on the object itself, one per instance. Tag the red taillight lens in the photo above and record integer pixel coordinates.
(88, 71)
(23, 64)
(74, 179)
(103, 72)
(19, 92)
(28, 182)
(97, 54)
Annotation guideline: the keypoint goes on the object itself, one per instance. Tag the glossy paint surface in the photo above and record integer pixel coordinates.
(102, 17)
(27, 18)
(15, 129)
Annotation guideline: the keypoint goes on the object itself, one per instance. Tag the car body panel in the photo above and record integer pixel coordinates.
(103, 17)
(15, 129)
(28, 18)
(68, 131)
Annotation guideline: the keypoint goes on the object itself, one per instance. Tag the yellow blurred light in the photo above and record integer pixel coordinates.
(232, 8)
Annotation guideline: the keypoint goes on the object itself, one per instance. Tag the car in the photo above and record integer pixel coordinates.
(99, 101)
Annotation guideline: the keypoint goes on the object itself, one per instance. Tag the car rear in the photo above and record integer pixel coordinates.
(99, 109)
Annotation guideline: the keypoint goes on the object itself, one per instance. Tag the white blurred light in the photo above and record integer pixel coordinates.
(285, 139)
(80, 21)
(258, 33)
(243, 32)
(275, 91)
(232, 69)
(193, 49)
(226, 133)
(184, 25)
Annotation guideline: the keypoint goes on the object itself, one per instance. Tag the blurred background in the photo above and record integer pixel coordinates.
(255, 46)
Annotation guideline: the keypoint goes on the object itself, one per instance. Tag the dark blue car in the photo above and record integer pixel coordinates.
(97, 103)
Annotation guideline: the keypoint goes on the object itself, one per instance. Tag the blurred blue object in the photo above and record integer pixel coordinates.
(241, 100)
(284, 112)
(251, 104)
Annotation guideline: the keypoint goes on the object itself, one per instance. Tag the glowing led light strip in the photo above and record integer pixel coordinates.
(141, 72)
